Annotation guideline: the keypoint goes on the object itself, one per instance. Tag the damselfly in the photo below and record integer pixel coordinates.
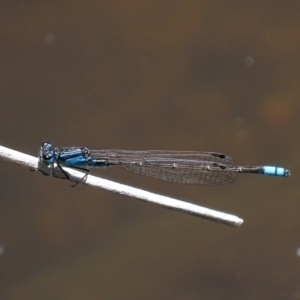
(190, 167)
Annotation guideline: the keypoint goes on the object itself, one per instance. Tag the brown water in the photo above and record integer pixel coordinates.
(182, 75)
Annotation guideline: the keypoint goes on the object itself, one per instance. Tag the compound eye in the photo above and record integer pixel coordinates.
(47, 145)
(85, 152)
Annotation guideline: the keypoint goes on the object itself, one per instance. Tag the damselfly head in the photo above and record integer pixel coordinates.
(47, 154)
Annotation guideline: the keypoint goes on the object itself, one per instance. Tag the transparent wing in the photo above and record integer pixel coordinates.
(183, 174)
(203, 168)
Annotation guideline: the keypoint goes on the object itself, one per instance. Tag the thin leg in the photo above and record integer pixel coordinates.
(86, 171)
(61, 169)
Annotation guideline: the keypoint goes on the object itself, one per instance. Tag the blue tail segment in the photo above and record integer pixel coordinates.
(276, 171)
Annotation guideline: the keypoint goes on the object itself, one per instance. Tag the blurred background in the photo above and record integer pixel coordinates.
(177, 75)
